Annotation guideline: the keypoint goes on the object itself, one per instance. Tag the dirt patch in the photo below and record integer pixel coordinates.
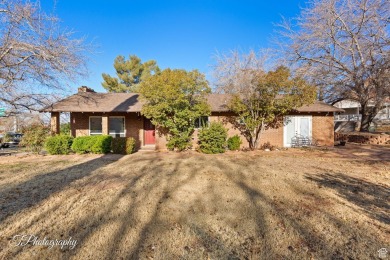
(294, 204)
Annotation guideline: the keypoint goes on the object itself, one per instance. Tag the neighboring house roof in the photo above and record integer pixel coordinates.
(129, 102)
(354, 104)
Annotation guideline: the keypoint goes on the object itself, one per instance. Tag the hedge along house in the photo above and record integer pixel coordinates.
(119, 115)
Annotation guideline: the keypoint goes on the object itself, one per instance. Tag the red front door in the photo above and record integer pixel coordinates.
(150, 132)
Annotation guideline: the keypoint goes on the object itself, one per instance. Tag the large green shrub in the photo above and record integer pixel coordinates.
(92, 144)
(102, 144)
(118, 145)
(58, 144)
(82, 144)
(234, 143)
(130, 145)
(180, 142)
(123, 145)
(212, 139)
(34, 137)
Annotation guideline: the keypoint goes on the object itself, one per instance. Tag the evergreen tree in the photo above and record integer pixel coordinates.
(129, 74)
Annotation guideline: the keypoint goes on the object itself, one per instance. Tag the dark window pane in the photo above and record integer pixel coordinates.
(117, 126)
(95, 125)
(202, 121)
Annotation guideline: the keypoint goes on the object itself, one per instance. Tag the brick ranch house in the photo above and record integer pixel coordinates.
(119, 115)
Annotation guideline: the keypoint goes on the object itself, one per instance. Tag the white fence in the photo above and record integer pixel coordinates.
(353, 118)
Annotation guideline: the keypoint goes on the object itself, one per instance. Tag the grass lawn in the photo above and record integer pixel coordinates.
(157, 205)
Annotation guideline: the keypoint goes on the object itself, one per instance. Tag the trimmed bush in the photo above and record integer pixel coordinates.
(82, 144)
(102, 144)
(92, 144)
(212, 139)
(58, 144)
(118, 145)
(34, 137)
(123, 145)
(130, 145)
(234, 143)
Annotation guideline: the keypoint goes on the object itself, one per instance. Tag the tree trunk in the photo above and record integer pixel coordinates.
(257, 134)
(251, 142)
(368, 114)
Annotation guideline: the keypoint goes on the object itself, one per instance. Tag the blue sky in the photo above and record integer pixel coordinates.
(177, 34)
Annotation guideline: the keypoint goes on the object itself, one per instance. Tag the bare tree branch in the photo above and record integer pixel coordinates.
(38, 59)
(343, 47)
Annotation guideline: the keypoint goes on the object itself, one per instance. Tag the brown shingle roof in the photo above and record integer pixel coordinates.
(97, 102)
(129, 102)
(218, 103)
(319, 106)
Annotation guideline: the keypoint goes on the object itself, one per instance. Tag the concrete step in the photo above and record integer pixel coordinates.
(147, 148)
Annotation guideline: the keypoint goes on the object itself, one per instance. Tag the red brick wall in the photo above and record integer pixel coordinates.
(133, 123)
(274, 136)
(363, 138)
(322, 129)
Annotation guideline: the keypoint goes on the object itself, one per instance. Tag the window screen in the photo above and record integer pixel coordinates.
(117, 126)
(95, 125)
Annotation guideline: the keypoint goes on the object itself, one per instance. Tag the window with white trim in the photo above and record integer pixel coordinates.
(201, 122)
(116, 125)
(95, 125)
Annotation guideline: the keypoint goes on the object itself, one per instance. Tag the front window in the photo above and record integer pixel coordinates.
(95, 125)
(117, 126)
(201, 122)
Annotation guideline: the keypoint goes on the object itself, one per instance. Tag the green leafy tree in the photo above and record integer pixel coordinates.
(34, 137)
(276, 95)
(260, 99)
(173, 100)
(130, 73)
(65, 129)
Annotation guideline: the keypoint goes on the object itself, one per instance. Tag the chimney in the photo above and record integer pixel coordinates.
(85, 89)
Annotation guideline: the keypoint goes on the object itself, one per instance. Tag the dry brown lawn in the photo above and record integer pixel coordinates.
(157, 205)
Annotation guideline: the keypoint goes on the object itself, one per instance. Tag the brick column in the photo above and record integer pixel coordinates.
(105, 124)
(72, 125)
(55, 122)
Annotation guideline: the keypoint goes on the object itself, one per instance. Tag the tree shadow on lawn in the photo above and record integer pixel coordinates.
(263, 206)
(41, 187)
(298, 217)
(138, 212)
(138, 195)
(263, 246)
(372, 198)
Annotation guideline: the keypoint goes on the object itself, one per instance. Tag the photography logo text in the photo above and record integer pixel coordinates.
(24, 240)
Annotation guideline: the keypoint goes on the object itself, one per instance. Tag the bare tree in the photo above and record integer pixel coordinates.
(343, 47)
(37, 56)
(259, 97)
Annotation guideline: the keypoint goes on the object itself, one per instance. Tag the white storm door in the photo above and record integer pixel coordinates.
(296, 125)
(289, 130)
